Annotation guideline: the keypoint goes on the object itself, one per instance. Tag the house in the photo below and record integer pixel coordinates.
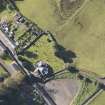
(42, 69)
(4, 26)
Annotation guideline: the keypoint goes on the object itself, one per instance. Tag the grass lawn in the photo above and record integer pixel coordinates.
(44, 51)
(85, 35)
(99, 100)
(20, 31)
(7, 15)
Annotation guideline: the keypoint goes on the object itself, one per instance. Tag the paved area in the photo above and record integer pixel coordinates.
(62, 91)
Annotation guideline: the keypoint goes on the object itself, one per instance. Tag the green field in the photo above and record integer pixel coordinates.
(99, 100)
(41, 12)
(84, 33)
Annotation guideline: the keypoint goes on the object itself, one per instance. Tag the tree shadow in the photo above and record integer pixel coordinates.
(26, 63)
(73, 70)
(30, 54)
(51, 72)
(8, 3)
(2, 5)
(61, 52)
(64, 54)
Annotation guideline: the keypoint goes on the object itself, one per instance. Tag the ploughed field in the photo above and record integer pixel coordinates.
(62, 91)
(81, 30)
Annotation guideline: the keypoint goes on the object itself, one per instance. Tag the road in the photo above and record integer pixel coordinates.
(42, 92)
(10, 48)
(7, 42)
(15, 58)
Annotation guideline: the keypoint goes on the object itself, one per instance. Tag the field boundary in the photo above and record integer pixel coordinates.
(92, 97)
